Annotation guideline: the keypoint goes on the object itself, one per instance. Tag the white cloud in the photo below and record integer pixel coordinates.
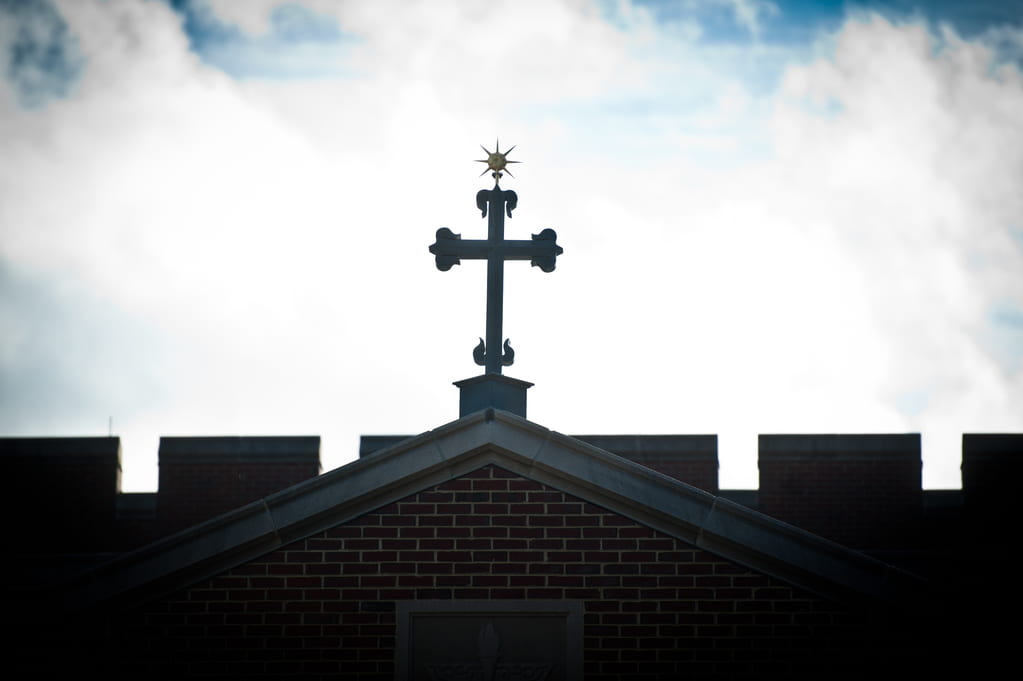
(268, 239)
(914, 173)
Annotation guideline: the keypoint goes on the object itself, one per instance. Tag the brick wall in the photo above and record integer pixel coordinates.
(201, 477)
(67, 483)
(693, 459)
(654, 607)
(992, 467)
(863, 491)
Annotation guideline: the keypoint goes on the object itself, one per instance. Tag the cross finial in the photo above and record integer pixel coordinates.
(496, 161)
(492, 389)
(542, 251)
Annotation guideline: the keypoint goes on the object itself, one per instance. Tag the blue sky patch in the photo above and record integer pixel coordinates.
(293, 23)
(301, 44)
(42, 61)
(912, 402)
(801, 21)
(1006, 320)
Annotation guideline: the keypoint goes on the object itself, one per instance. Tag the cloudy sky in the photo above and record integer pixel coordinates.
(778, 217)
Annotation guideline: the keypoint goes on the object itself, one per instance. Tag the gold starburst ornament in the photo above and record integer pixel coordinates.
(496, 161)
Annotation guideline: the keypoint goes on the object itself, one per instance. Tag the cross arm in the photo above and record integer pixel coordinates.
(542, 250)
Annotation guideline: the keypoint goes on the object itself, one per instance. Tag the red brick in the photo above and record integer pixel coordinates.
(641, 588)
(486, 485)
(508, 593)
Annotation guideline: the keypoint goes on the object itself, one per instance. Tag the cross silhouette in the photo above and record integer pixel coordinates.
(541, 251)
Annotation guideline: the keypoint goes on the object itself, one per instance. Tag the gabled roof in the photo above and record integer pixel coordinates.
(496, 437)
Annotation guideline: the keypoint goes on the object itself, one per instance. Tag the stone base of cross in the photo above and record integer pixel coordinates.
(492, 391)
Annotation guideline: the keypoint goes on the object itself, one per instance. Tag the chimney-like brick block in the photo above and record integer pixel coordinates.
(693, 459)
(67, 485)
(991, 468)
(863, 491)
(202, 477)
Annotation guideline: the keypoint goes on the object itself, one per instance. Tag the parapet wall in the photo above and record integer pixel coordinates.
(863, 491)
(68, 485)
(858, 490)
(992, 468)
(202, 477)
(690, 458)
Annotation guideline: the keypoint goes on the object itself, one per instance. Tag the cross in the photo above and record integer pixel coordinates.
(542, 251)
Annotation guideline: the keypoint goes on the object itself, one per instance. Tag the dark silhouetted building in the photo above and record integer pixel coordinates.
(492, 547)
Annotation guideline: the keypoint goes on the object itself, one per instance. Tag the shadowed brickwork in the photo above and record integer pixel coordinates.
(654, 607)
(44, 477)
(202, 477)
(858, 490)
